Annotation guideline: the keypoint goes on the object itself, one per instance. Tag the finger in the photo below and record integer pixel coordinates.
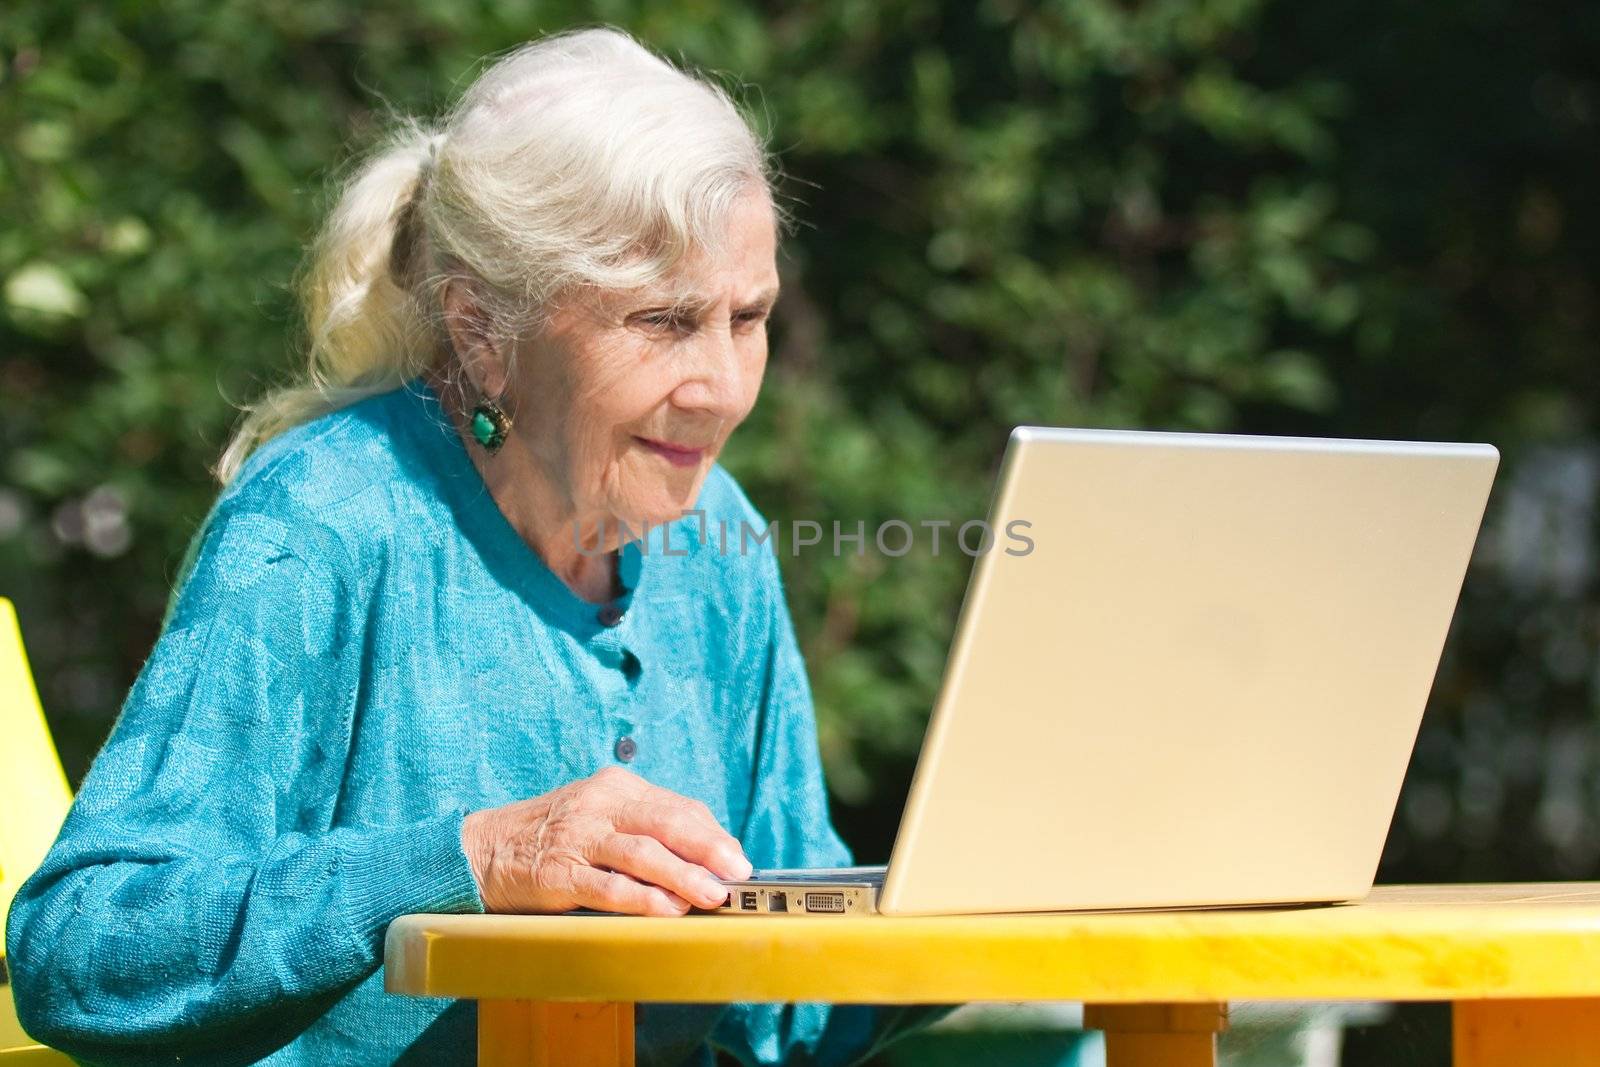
(683, 824)
(712, 848)
(732, 862)
(650, 861)
(610, 891)
(636, 789)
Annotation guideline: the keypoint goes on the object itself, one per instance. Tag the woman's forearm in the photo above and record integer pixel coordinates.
(129, 952)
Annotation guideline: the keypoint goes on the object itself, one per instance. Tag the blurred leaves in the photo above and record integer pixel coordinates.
(41, 291)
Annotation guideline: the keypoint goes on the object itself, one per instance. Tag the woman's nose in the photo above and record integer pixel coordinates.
(714, 379)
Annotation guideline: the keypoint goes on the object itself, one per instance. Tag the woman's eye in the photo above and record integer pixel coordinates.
(664, 320)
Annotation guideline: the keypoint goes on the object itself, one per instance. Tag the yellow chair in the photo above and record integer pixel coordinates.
(34, 1056)
(34, 797)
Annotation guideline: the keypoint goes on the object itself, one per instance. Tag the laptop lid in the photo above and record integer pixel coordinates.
(1203, 682)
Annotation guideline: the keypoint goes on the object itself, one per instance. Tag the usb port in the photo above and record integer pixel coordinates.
(747, 900)
(777, 901)
(824, 901)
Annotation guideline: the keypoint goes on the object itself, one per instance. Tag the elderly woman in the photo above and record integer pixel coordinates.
(449, 639)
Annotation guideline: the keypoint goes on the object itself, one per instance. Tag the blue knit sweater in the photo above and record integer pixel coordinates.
(359, 651)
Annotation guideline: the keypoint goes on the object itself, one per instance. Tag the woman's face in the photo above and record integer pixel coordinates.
(625, 402)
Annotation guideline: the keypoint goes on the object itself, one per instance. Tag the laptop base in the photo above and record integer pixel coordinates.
(834, 891)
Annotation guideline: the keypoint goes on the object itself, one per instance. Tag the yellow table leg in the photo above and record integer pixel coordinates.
(1158, 1035)
(527, 1033)
(1527, 1033)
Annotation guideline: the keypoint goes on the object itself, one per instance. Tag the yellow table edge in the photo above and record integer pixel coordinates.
(1401, 943)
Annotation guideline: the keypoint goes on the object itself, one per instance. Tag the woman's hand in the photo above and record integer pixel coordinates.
(611, 842)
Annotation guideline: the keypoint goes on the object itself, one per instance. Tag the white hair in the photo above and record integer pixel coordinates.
(578, 159)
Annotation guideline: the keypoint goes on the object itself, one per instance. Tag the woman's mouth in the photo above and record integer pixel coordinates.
(677, 455)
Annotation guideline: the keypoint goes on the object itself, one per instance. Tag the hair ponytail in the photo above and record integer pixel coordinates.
(365, 332)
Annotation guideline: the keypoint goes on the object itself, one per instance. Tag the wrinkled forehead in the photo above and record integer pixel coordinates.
(699, 280)
(685, 294)
(692, 294)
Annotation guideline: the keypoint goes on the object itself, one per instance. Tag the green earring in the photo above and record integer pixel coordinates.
(490, 425)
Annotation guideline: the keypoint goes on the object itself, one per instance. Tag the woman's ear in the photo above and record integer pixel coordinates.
(484, 358)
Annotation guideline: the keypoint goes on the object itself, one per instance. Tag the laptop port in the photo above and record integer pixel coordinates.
(747, 901)
(824, 901)
(777, 901)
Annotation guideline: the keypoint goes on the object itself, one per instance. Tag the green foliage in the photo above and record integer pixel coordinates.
(1185, 214)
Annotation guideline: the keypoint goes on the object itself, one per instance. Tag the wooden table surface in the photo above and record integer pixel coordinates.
(1519, 960)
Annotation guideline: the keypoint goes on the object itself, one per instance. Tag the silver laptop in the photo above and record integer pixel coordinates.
(1200, 687)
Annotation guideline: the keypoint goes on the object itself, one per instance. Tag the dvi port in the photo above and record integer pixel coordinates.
(824, 901)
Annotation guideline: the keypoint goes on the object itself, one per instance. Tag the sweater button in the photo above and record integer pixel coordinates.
(609, 615)
(626, 749)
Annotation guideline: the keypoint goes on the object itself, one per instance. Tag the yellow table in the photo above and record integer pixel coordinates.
(1520, 962)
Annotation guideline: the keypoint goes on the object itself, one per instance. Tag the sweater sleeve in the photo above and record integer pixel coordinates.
(789, 826)
(199, 901)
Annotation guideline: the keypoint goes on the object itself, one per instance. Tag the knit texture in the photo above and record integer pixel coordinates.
(360, 650)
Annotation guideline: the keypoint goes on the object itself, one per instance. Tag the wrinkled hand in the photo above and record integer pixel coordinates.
(611, 842)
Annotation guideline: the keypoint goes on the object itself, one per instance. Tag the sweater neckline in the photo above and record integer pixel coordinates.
(525, 568)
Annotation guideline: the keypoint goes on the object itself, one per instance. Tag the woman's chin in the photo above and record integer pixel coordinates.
(661, 510)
